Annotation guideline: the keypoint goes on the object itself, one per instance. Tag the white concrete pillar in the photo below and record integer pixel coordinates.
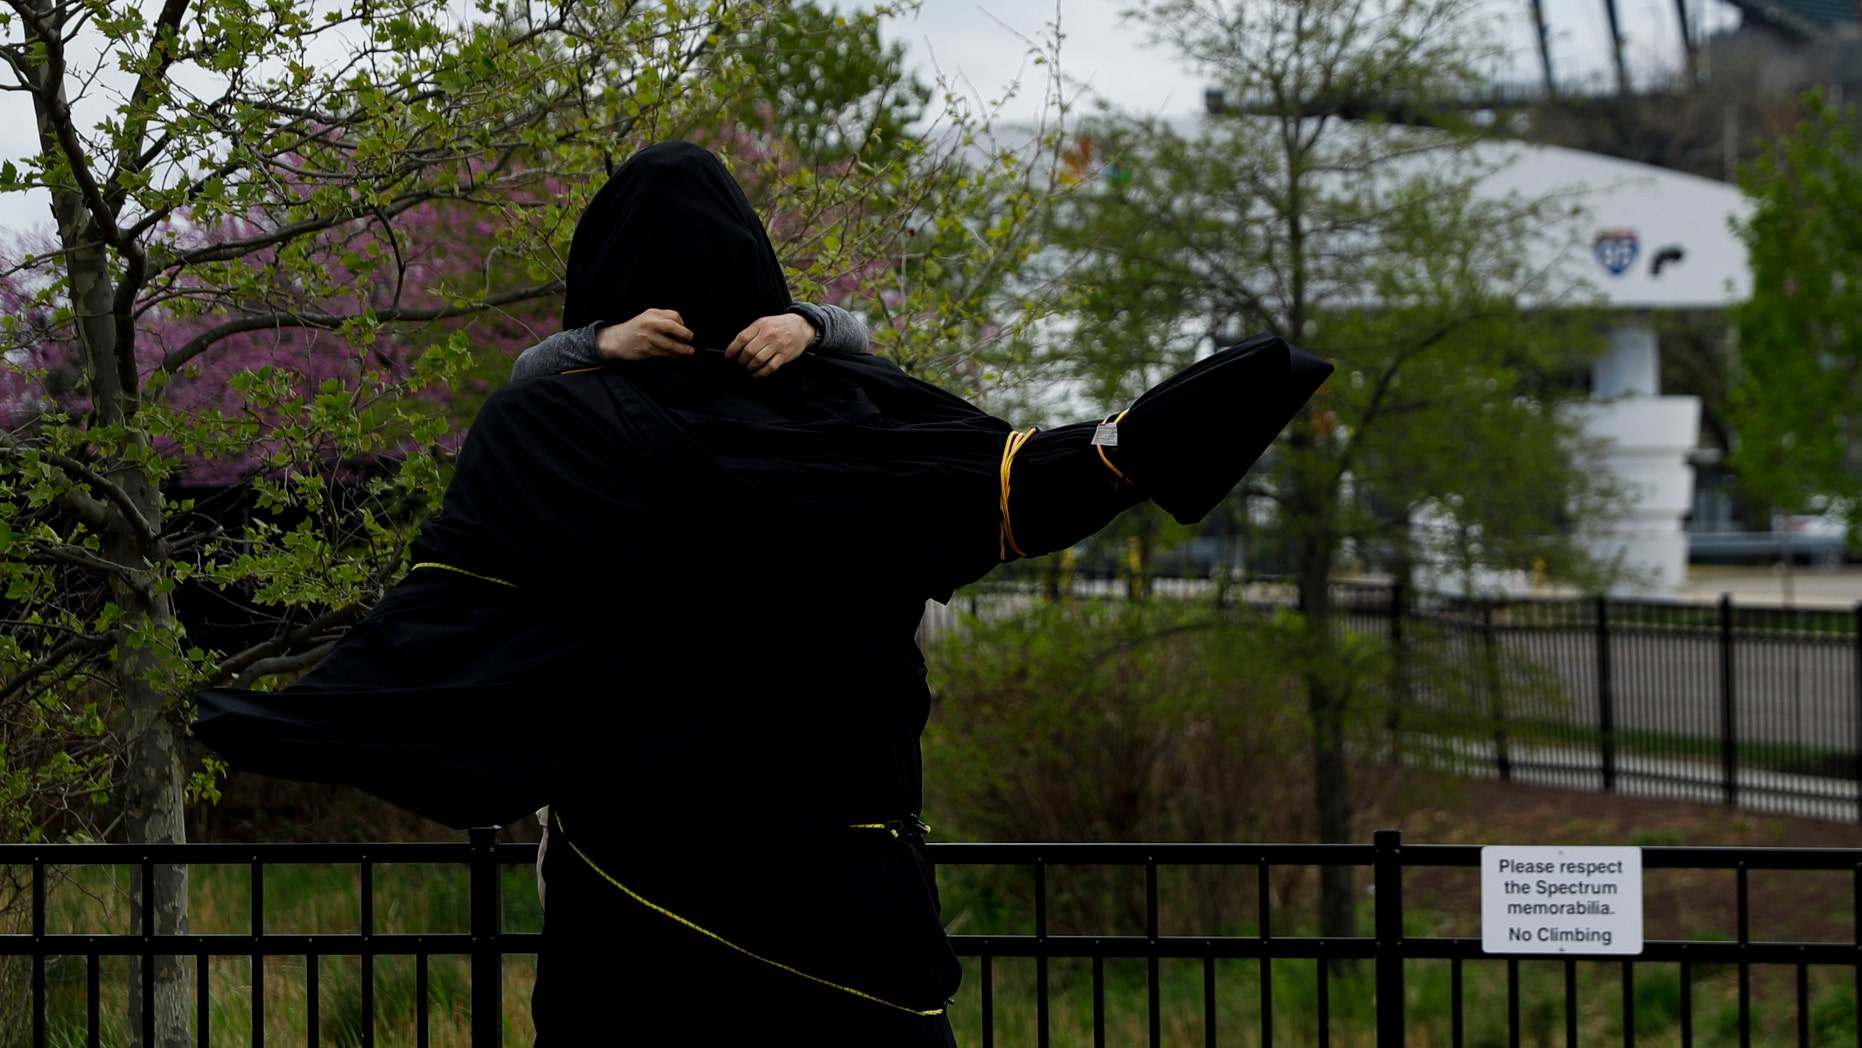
(1648, 437)
(1632, 366)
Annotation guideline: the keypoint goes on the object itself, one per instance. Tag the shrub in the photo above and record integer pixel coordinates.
(1119, 721)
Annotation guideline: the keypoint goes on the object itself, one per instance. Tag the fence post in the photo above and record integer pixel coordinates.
(487, 924)
(38, 948)
(145, 910)
(1496, 697)
(1399, 673)
(1606, 697)
(1387, 877)
(1856, 760)
(1729, 738)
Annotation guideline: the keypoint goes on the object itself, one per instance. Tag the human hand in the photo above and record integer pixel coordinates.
(654, 333)
(770, 343)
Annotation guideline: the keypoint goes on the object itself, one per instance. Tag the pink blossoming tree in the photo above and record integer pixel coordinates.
(291, 245)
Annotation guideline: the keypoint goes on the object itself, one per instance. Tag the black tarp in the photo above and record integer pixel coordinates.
(678, 537)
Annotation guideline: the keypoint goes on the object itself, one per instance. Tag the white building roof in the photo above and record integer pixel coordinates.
(1636, 217)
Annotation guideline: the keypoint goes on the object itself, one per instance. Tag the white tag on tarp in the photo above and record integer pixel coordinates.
(1106, 436)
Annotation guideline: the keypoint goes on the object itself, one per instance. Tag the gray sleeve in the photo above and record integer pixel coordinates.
(563, 351)
(842, 333)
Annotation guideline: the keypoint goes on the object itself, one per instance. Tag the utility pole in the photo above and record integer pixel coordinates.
(1616, 49)
(1545, 46)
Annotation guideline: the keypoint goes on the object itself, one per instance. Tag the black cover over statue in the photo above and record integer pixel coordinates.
(676, 602)
(665, 526)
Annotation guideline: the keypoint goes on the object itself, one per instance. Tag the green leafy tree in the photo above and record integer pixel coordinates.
(1797, 402)
(208, 165)
(254, 207)
(937, 251)
(1367, 243)
(833, 86)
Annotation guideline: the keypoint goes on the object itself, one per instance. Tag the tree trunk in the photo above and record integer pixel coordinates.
(1326, 698)
(154, 782)
(1402, 676)
(154, 794)
(153, 786)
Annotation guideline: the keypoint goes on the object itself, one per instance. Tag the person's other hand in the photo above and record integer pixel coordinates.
(770, 343)
(654, 333)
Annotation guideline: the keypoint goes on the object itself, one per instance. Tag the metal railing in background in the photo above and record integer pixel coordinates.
(1756, 706)
(1392, 950)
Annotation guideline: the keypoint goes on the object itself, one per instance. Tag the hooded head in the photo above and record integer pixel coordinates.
(671, 229)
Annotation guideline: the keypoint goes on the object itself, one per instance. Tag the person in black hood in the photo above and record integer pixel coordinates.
(671, 235)
(802, 734)
(675, 598)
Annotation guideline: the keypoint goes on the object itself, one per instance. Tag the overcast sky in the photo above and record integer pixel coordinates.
(986, 42)
(983, 45)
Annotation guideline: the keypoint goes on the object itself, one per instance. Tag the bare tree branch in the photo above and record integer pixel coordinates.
(240, 666)
(48, 95)
(130, 160)
(78, 472)
(78, 556)
(236, 249)
(280, 664)
(331, 321)
(53, 660)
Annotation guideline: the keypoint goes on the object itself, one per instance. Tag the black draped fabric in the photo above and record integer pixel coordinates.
(680, 526)
(672, 230)
(1188, 440)
(678, 604)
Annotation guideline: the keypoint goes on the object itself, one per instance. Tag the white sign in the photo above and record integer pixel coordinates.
(1561, 900)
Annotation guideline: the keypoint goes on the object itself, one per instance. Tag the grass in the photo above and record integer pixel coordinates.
(992, 901)
(1428, 991)
(297, 899)
(1680, 617)
(1773, 756)
(322, 899)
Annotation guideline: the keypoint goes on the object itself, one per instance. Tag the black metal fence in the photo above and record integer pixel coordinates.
(1403, 983)
(1755, 706)
(35, 869)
